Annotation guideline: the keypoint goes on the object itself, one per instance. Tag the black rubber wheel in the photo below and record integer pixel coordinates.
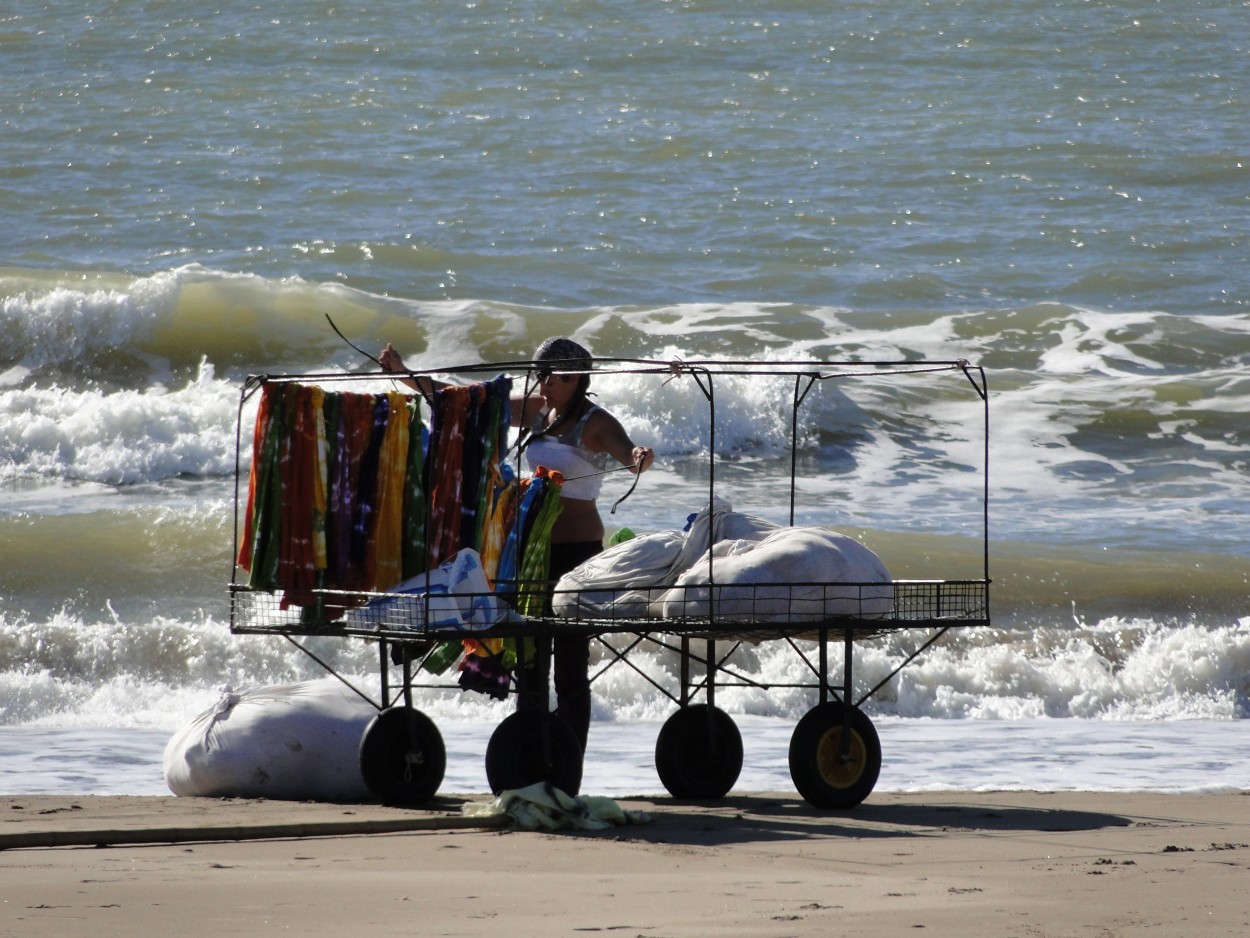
(533, 746)
(402, 757)
(698, 753)
(823, 775)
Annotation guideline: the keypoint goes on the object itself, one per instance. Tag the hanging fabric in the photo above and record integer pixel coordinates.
(500, 513)
(303, 469)
(351, 492)
(258, 553)
(526, 554)
(351, 434)
(414, 560)
(536, 547)
(387, 542)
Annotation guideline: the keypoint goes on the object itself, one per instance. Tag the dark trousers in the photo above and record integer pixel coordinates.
(569, 653)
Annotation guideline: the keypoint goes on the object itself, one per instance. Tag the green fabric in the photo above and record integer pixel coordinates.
(536, 555)
(542, 806)
(266, 510)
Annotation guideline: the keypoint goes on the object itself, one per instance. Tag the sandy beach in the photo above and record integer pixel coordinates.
(959, 864)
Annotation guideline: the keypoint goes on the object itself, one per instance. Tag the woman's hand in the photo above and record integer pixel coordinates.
(390, 360)
(644, 456)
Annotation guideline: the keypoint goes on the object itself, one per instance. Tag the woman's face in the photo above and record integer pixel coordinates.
(557, 390)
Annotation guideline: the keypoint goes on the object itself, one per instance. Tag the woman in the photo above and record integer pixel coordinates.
(562, 430)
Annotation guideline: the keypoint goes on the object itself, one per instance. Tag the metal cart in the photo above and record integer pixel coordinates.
(834, 752)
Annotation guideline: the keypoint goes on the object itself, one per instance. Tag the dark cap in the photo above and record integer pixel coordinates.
(566, 352)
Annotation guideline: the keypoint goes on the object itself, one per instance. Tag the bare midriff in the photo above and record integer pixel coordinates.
(579, 521)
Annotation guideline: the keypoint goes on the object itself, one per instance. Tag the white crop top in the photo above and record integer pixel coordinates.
(582, 468)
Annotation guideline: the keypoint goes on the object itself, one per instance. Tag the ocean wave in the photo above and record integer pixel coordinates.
(123, 437)
(109, 671)
(125, 381)
(245, 322)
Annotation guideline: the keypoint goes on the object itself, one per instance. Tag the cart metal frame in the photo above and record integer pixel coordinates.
(835, 753)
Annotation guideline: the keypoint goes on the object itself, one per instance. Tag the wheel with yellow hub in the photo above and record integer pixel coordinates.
(835, 756)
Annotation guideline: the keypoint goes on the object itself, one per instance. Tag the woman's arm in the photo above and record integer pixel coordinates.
(604, 433)
(391, 361)
(524, 409)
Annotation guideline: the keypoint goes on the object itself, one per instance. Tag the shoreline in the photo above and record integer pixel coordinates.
(997, 864)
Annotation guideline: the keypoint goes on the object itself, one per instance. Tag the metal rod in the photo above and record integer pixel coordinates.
(823, 676)
(796, 403)
(330, 670)
(906, 661)
(711, 672)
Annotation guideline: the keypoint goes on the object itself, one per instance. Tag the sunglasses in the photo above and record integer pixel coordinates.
(545, 374)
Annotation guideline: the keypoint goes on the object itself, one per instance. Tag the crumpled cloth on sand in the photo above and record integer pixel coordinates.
(542, 806)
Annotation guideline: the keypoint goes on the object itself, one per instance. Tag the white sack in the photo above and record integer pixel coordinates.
(796, 566)
(602, 586)
(724, 523)
(297, 742)
(627, 578)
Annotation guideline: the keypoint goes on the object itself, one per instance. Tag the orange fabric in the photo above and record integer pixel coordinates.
(253, 481)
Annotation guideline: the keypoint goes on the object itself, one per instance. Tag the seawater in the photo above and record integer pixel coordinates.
(1055, 191)
(1190, 757)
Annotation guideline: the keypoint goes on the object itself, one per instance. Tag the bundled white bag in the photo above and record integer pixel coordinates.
(627, 578)
(289, 741)
(800, 574)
